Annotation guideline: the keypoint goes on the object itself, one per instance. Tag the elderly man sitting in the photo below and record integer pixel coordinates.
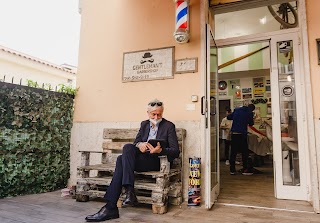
(139, 156)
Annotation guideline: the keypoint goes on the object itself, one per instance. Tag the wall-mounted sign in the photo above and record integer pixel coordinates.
(258, 90)
(148, 64)
(287, 91)
(188, 65)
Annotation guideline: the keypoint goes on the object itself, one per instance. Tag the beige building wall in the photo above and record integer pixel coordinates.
(313, 23)
(20, 67)
(313, 19)
(110, 28)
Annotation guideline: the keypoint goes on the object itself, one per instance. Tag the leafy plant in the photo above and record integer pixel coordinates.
(67, 89)
(62, 88)
(32, 83)
(35, 127)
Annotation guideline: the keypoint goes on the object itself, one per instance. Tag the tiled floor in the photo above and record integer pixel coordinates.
(255, 190)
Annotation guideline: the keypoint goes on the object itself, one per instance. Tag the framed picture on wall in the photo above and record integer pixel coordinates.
(246, 90)
(246, 96)
(267, 82)
(268, 87)
(258, 82)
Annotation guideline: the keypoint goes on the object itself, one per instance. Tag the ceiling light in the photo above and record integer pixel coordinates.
(263, 20)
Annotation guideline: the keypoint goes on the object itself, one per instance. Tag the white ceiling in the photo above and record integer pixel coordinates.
(246, 22)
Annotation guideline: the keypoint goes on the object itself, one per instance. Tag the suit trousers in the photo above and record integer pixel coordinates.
(131, 160)
(239, 143)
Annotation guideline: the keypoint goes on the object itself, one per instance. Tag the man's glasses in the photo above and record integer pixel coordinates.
(155, 103)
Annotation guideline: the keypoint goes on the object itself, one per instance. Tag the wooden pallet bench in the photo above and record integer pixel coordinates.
(157, 188)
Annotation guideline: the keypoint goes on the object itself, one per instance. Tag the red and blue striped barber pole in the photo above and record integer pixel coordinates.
(181, 33)
(181, 15)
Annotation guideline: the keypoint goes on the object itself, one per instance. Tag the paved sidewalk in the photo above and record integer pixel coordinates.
(52, 208)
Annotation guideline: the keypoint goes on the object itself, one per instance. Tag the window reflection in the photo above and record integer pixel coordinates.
(288, 114)
(256, 20)
(213, 117)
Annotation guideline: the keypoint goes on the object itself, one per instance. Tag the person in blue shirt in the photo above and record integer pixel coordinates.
(242, 117)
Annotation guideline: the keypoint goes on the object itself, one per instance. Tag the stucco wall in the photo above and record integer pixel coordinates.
(16, 67)
(313, 20)
(313, 23)
(110, 28)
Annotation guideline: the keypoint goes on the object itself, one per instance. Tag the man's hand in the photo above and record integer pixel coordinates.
(156, 149)
(143, 147)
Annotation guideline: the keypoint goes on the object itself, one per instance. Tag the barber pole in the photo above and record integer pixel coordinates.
(181, 33)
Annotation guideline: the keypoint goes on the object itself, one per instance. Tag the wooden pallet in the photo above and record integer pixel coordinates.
(157, 188)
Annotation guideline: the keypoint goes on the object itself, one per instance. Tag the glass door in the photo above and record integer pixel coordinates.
(287, 119)
(212, 156)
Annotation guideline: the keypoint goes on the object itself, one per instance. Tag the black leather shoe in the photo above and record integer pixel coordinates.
(103, 215)
(131, 200)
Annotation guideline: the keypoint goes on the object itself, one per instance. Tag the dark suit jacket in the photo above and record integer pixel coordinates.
(166, 131)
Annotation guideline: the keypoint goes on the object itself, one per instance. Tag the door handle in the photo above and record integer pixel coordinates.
(203, 112)
(213, 110)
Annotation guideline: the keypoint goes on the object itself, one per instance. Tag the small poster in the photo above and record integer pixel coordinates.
(259, 95)
(247, 96)
(194, 196)
(268, 95)
(246, 90)
(258, 90)
(267, 82)
(258, 82)
(268, 88)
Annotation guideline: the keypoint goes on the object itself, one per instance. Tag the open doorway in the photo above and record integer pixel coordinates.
(246, 76)
(247, 81)
(250, 83)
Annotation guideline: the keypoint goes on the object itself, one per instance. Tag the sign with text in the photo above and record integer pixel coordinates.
(148, 64)
(188, 65)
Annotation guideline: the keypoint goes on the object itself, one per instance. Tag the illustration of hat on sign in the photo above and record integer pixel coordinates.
(146, 56)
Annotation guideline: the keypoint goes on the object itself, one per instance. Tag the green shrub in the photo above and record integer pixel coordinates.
(35, 127)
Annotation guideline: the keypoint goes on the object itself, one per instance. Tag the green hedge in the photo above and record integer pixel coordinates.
(35, 127)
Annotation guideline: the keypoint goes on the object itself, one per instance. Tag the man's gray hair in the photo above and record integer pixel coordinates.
(154, 104)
